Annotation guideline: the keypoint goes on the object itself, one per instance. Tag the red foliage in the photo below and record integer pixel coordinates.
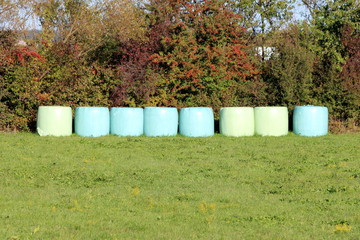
(351, 70)
(24, 54)
(136, 58)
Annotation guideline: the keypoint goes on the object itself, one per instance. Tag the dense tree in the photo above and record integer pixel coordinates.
(204, 61)
(88, 24)
(289, 72)
(177, 53)
(351, 70)
(59, 66)
(134, 60)
(329, 21)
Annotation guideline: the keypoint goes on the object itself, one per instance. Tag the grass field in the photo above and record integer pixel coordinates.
(179, 188)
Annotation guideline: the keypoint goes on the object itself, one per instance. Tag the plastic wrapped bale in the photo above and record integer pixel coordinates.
(126, 121)
(196, 122)
(310, 121)
(160, 121)
(271, 121)
(54, 121)
(92, 121)
(237, 121)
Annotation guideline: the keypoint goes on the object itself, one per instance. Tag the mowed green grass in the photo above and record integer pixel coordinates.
(113, 187)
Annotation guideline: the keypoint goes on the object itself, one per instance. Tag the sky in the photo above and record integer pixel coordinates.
(300, 11)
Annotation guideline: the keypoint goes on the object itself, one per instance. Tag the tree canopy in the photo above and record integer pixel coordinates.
(178, 53)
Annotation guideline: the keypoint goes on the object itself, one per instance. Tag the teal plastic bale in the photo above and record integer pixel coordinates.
(237, 121)
(310, 121)
(54, 121)
(92, 121)
(160, 121)
(271, 121)
(196, 122)
(126, 121)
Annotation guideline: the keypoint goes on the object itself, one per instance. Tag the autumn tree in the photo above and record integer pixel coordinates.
(80, 38)
(133, 60)
(60, 66)
(351, 70)
(88, 24)
(17, 93)
(203, 60)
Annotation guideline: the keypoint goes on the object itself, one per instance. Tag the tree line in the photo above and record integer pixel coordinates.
(178, 53)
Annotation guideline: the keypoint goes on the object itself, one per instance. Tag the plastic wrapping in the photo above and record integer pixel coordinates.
(196, 122)
(271, 121)
(92, 121)
(237, 121)
(54, 121)
(126, 121)
(310, 121)
(160, 121)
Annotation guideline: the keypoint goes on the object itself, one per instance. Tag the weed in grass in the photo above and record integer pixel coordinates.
(342, 228)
